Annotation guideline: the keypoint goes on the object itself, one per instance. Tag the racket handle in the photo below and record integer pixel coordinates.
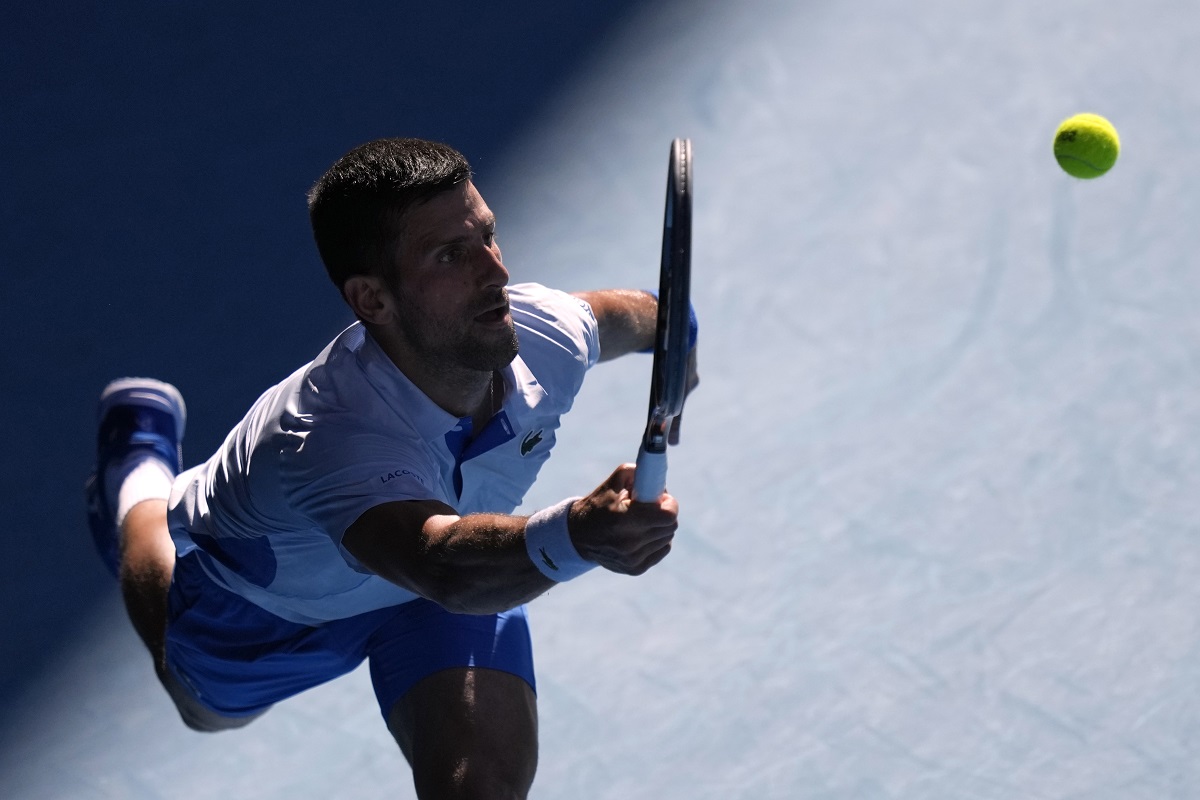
(650, 480)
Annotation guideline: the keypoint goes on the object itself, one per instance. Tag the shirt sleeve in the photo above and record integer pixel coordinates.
(557, 329)
(338, 475)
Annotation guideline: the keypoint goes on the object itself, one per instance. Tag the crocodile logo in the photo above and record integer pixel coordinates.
(530, 441)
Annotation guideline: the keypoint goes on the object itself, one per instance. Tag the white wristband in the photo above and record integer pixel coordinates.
(549, 543)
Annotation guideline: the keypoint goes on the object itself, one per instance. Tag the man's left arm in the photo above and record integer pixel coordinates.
(626, 320)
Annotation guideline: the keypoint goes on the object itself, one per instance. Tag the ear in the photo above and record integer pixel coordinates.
(369, 299)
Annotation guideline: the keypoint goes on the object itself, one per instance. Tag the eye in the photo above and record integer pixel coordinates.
(450, 255)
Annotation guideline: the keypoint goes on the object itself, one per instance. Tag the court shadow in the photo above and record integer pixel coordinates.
(156, 160)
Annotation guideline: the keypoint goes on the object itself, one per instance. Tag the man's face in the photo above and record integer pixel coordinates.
(449, 283)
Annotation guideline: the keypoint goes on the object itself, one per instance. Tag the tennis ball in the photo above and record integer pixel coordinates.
(1086, 145)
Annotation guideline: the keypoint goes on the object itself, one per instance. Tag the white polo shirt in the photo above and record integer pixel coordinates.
(349, 431)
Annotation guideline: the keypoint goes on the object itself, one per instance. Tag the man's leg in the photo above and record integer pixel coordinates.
(468, 733)
(147, 561)
(458, 694)
(147, 564)
(138, 454)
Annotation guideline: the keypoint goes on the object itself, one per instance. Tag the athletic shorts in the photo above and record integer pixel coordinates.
(236, 660)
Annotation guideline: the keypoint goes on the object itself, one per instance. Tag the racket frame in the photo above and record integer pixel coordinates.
(668, 385)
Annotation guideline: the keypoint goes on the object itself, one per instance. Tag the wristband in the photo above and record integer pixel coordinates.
(549, 543)
(693, 324)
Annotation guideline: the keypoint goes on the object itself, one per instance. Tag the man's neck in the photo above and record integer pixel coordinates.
(455, 390)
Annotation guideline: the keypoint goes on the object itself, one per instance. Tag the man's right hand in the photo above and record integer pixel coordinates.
(621, 535)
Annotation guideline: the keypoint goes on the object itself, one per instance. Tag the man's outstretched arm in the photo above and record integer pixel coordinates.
(480, 564)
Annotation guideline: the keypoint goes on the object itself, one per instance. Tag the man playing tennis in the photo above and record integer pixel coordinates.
(362, 509)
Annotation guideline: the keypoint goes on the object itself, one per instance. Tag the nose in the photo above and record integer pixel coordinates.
(494, 271)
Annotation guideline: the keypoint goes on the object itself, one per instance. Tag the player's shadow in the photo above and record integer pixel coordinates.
(154, 223)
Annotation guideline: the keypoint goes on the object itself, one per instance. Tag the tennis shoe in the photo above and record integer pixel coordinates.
(137, 416)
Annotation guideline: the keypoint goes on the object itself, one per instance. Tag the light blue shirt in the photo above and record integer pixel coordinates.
(349, 431)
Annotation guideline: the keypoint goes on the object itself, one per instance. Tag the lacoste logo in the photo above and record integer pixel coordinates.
(393, 475)
(549, 562)
(529, 442)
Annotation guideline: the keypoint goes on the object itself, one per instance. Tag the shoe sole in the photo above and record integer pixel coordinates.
(144, 392)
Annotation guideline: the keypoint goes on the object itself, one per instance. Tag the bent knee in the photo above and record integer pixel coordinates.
(195, 715)
(509, 775)
(205, 721)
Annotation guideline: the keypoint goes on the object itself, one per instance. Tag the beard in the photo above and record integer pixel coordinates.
(460, 343)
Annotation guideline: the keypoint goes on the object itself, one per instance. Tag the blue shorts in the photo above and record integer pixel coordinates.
(237, 660)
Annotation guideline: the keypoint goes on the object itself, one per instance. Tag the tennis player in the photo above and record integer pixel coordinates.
(362, 509)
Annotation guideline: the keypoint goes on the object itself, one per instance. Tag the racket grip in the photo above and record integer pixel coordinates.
(650, 480)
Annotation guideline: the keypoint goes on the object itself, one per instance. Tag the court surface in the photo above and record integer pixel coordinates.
(939, 484)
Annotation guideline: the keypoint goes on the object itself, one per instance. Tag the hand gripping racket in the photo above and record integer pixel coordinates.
(668, 384)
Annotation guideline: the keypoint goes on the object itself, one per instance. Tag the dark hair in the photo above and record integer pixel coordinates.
(356, 206)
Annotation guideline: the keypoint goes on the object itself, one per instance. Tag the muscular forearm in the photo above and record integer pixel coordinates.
(478, 564)
(484, 563)
(475, 564)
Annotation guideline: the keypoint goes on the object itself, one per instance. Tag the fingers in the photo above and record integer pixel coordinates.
(653, 559)
(634, 556)
(693, 370)
(673, 433)
(693, 380)
(621, 479)
(642, 564)
(620, 483)
(661, 510)
(610, 529)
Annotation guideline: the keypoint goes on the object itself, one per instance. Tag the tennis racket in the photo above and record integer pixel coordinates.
(668, 383)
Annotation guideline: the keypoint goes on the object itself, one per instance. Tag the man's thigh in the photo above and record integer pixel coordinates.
(469, 732)
(458, 694)
(228, 661)
(422, 639)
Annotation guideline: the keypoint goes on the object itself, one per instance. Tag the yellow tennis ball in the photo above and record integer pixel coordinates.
(1086, 145)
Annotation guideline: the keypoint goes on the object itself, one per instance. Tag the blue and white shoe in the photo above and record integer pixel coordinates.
(134, 414)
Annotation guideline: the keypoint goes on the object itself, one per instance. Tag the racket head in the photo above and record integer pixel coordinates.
(668, 385)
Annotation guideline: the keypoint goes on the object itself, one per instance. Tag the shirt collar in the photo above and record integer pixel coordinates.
(522, 391)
